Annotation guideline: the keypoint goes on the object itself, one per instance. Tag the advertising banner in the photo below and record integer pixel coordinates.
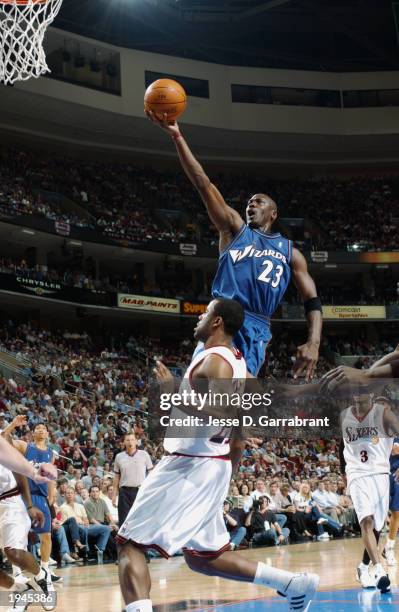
(144, 302)
(354, 312)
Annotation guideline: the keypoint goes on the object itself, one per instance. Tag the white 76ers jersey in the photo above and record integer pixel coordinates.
(7, 480)
(367, 445)
(200, 440)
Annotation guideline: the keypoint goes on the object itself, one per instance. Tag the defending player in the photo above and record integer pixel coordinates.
(180, 504)
(43, 495)
(367, 428)
(255, 265)
(16, 514)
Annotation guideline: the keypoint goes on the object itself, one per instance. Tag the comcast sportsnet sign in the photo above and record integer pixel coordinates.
(354, 312)
(144, 302)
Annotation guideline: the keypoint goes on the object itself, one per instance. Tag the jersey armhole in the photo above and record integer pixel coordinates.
(240, 231)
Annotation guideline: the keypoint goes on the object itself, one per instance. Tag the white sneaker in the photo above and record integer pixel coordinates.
(322, 521)
(389, 556)
(382, 580)
(20, 578)
(363, 576)
(46, 586)
(300, 591)
(323, 537)
(67, 558)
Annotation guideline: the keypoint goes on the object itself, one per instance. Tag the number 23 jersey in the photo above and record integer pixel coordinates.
(254, 270)
(367, 446)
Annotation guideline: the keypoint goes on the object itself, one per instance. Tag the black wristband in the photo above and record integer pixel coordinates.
(29, 507)
(312, 304)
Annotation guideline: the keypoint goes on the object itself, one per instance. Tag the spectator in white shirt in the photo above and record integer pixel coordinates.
(325, 503)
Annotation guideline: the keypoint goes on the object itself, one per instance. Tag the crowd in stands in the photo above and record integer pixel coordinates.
(131, 203)
(90, 397)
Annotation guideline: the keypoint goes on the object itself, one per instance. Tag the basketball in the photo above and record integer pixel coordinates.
(165, 96)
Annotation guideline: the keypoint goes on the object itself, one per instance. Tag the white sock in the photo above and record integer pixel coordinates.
(362, 566)
(45, 565)
(141, 605)
(390, 543)
(269, 576)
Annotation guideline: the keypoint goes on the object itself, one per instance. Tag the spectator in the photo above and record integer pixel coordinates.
(233, 519)
(98, 515)
(263, 525)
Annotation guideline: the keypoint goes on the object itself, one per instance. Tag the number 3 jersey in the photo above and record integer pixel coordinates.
(205, 441)
(367, 446)
(254, 270)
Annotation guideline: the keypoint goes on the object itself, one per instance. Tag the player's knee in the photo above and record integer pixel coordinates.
(367, 522)
(13, 555)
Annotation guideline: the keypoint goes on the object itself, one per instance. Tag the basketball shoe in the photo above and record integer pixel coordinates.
(300, 591)
(382, 580)
(363, 576)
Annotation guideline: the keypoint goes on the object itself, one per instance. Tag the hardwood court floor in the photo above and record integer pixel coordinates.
(175, 587)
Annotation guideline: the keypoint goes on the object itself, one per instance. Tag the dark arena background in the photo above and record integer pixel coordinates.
(107, 258)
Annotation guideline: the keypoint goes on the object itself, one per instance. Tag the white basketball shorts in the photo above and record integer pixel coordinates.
(180, 506)
(14, 523)
(370, 496)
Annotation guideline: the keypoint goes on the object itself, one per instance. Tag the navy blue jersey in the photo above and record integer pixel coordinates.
(254, 270)
(37, 455)
(394, 459)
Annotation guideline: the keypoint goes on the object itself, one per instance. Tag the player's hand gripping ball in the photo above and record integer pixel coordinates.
(165, 96)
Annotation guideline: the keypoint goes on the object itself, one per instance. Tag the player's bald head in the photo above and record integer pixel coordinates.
(268, 200)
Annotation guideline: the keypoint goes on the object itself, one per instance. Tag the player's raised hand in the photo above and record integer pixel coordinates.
(165, 377)
(306, 360)
(170, 127)
(19, 421)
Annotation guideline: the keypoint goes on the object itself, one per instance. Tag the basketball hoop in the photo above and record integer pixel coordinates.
(23, 24)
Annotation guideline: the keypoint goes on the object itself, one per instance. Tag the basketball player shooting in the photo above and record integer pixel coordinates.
(255, 264)
(180, 504)
(368, 428)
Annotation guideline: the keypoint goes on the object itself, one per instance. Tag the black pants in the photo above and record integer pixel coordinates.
(126, 498)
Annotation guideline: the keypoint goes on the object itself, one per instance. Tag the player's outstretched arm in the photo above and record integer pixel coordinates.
(14, 461)
(225, 218)
(308, 353)
(387, 359)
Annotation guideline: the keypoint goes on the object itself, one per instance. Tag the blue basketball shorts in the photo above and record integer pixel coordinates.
(41, 502)
(393, 495)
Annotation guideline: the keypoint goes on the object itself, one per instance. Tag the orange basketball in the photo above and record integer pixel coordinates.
(165, 96)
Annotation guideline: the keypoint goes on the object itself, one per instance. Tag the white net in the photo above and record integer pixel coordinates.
(22, 29)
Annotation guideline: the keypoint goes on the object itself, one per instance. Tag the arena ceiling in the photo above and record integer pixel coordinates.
(331, 35)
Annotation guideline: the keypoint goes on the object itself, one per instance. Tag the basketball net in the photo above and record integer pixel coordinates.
(23, 24)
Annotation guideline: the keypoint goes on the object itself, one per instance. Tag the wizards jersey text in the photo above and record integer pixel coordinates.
(255, 271)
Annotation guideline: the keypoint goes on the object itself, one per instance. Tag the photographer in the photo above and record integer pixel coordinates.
(263, 525)
(233, 518)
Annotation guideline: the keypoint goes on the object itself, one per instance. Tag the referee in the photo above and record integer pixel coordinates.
(130, 468)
